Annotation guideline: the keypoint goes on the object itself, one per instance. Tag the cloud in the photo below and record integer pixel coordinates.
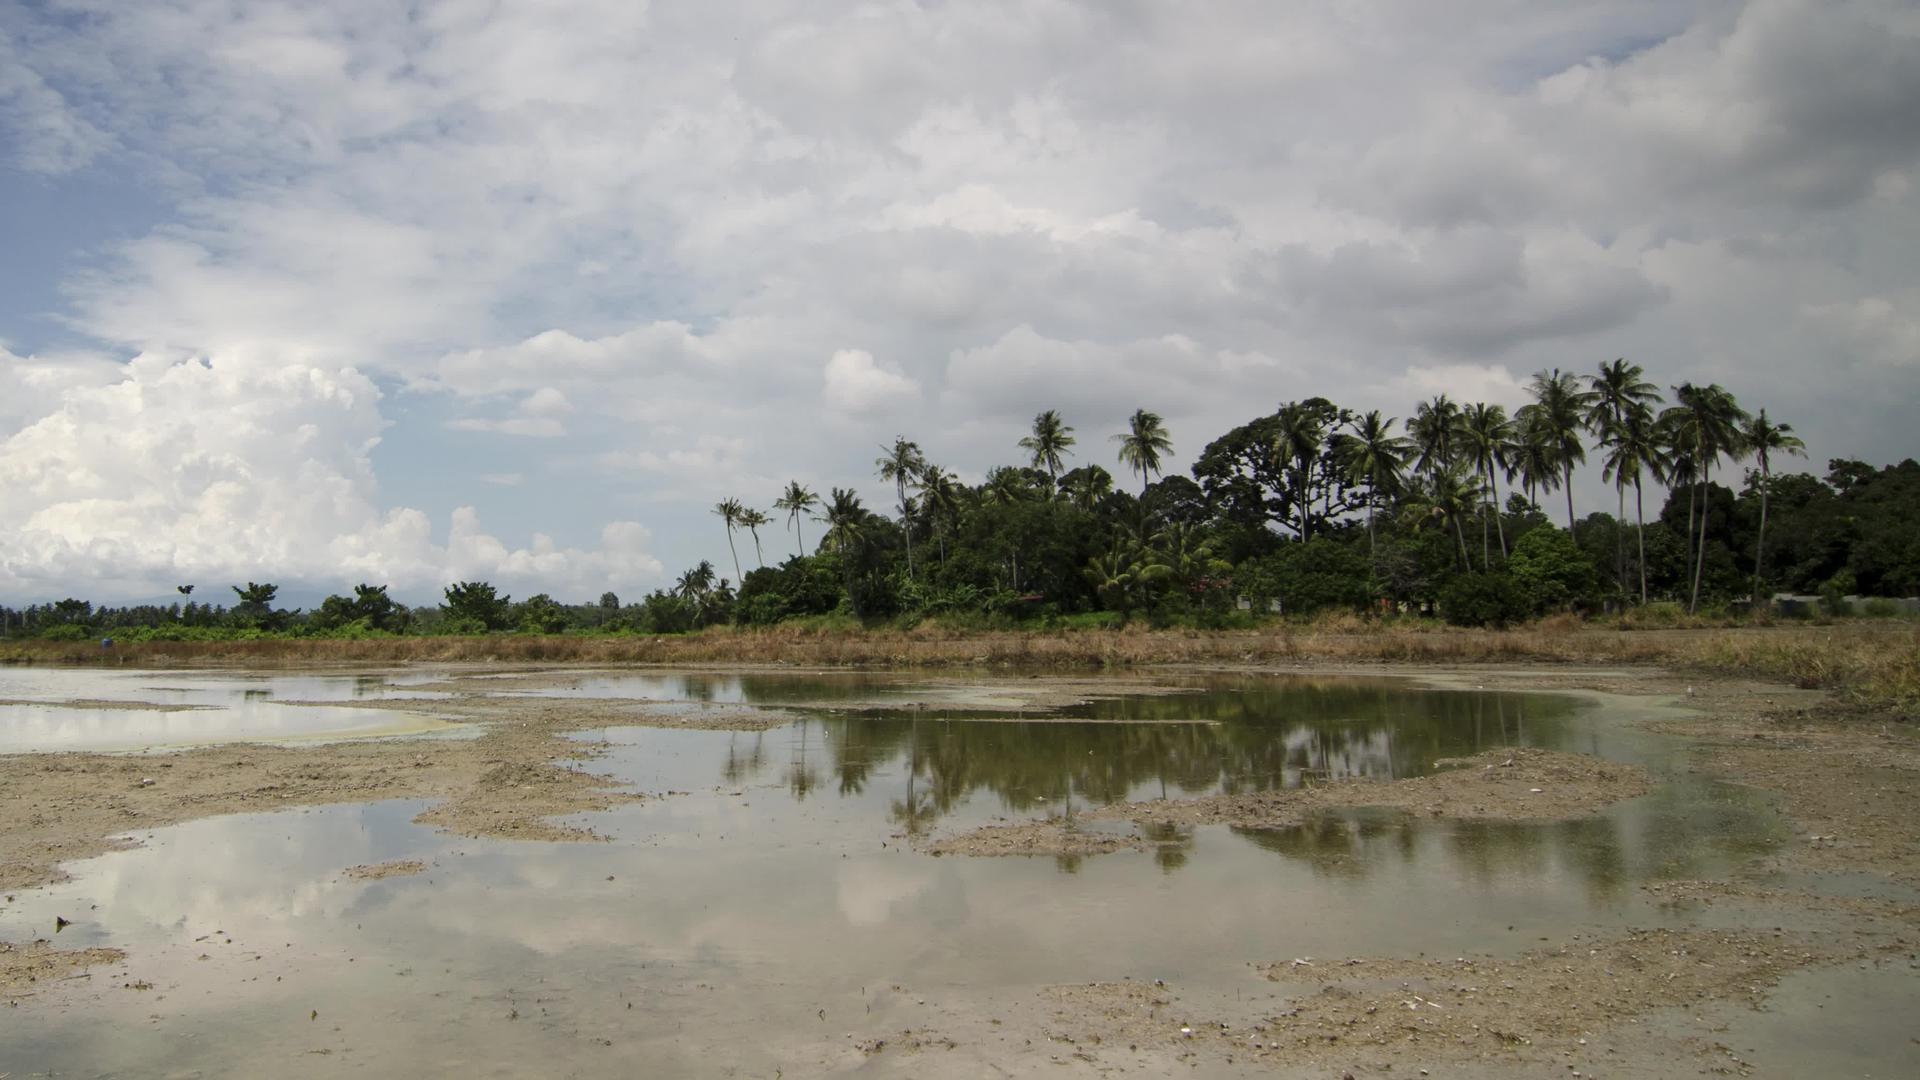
(857, 385)
(234, 467)
(745, 247)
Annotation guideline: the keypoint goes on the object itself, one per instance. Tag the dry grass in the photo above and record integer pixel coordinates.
(1875, 663)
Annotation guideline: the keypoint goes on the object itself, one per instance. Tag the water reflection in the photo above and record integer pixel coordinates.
(46, 709)
(776, 889)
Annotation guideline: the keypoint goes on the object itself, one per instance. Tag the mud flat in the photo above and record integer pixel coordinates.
(1517, 784)
(1640, 966)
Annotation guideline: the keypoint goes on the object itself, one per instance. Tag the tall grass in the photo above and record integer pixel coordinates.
(1875, 663)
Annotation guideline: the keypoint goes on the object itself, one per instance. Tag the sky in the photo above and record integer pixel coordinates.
(516, 290)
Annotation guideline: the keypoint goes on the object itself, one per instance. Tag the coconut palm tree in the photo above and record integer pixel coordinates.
(1484, 434)
(1050, 440)
(1145, 440)
(1443, 498)
(796, 502)
(1372, 453)
(1434, 426)
(846, 521)
(1708, 420)
(1763, 439)
(1004, 484)
(729, 511)
(1634, 452)
(902, 464)
(940, 493)
(1087, 485)
(1563, 400)
(696, 583)
(1618, 390)
(1531, 455)
(751, 519)
(1297, 444)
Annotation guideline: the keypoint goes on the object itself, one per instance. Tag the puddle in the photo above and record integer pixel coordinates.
(53, 709)
(755, 920)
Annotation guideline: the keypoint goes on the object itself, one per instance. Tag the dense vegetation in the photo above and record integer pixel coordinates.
(1310, 508)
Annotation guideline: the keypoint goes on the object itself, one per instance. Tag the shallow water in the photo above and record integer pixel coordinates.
(772, 907)
(170, 710)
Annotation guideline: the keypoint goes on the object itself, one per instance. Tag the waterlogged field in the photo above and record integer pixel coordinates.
(774, 907)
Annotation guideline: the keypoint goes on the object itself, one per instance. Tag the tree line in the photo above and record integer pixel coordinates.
(1311, 507)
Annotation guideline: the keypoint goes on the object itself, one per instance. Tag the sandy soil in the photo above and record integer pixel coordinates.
(1588, 1002)
(25, 967)
(381, 871)
(1522, 784)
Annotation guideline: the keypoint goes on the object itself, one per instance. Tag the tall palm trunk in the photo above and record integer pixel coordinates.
(736, 554)
(1700, 563)
(1499, 527)
(1620, 536)
(1760, 545)
(906, 524)
(1461, 537)
(1640, 515)
(1693, 493)
(1567, 478)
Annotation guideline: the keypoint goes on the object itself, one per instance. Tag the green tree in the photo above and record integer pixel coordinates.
(797, 502)
(848, 523)
(1143, 444)
(1763, 439)
(1369, 451)
(751, 519)
(1433, 429)
(475, 603)
(1634, 453)
(1051, 439)
(1620, 391)
(902, 464)
(1551, 569)
(729, 511)
(1708, 421)
(1484, 435)
(1562, 401)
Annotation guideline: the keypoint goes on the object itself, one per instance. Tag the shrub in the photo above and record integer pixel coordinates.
(1483, 599)
(1551, 570)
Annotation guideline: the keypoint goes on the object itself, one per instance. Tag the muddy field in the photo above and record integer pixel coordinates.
(1691, 983)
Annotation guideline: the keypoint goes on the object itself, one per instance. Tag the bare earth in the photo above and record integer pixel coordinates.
(381, 871)
(1591, 1002)
(25, 967)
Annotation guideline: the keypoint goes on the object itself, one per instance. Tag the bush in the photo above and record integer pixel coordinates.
(1484, 599)
(66, 632)
(1551, 570)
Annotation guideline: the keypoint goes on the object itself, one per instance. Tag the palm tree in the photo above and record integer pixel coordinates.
(751, 519)
(797, 501)
(1618, 391)
(1087, 485)
(1763, 439)
(1433, 427)
(1484, 435)
(1298, 444)
(1373, 453)
(696, 583)
(940, 493)
(1004, 484)
(1563, 402)
(730, 511)
(901, 464)
(1050, 439)
(1531, 455)
(1444, 497)
(846, 521)
(1709, 420)
(1145, 440)
(1634, 451)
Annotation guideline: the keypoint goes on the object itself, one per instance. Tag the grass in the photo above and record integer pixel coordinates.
(1874, 663)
